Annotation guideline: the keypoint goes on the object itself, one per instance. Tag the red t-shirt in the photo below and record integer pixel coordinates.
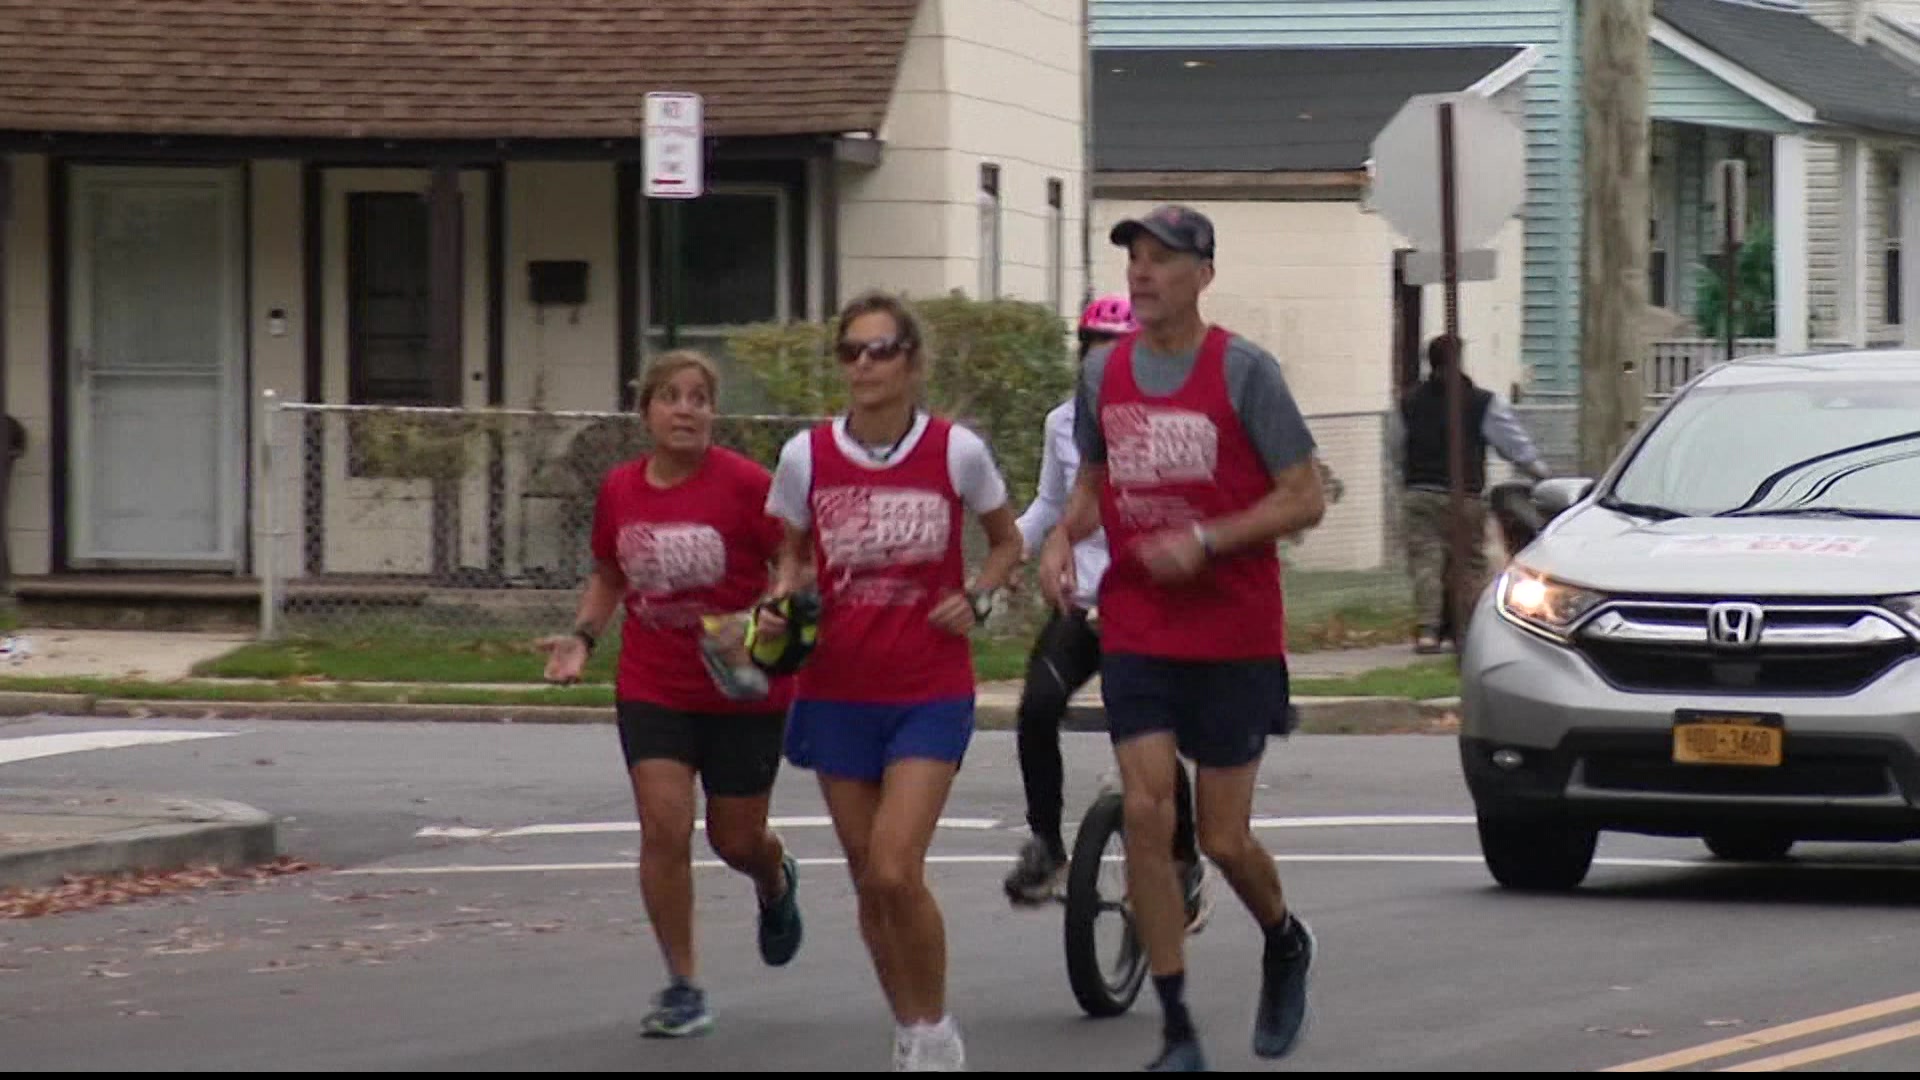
(700, 547)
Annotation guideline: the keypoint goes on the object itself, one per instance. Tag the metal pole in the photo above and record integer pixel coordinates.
(1086, 153)
(1730, 245)
(1456, 392)
(269, 524)
(670, 244)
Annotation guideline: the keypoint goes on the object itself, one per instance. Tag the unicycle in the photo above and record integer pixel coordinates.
(1106, 960)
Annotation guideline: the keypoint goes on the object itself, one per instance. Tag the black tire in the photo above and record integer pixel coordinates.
(1749, 845)
(1536, 855)
(1102, 990)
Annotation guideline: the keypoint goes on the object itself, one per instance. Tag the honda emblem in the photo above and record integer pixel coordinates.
(1735, 625)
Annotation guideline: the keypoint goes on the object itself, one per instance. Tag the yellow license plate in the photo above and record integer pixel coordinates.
(1728, 741)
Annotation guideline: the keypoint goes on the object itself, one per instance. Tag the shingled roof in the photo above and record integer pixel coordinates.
(444, 69)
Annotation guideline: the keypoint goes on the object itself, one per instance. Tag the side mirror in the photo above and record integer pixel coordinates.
(1552, 497)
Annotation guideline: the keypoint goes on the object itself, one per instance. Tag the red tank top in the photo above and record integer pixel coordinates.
(1173, 462)
(887, 548)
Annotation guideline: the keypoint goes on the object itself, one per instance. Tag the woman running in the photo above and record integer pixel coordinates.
(680, 534)
(875, 505)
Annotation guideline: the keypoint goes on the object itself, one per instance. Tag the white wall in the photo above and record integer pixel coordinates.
(981, 81)
(1312, 282)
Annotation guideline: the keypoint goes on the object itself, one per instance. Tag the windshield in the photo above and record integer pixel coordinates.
(1782, 449)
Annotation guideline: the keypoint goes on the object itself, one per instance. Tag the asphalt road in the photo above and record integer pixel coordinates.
(477, 911)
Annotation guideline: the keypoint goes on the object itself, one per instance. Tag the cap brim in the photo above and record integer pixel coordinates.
(1124, 234)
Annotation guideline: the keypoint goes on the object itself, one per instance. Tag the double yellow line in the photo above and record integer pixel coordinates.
(1799, 1029)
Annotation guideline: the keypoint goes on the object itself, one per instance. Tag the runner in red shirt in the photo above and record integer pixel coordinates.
(875, 505)
(1196, 461)
(679, 534)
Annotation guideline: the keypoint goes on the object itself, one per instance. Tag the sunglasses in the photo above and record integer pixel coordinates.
(883, 350)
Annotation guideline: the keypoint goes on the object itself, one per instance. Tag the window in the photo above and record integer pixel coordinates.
(734, 266)
(1056, 244)
(1656, 266)
(389, 323)
(989, 232)
(1890, 303)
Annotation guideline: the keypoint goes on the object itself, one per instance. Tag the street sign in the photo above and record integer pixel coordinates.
(1430, 267)
(675, 149)
(1491, 178)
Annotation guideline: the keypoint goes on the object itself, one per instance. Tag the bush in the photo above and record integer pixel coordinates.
(1752, 305)
(999, 366)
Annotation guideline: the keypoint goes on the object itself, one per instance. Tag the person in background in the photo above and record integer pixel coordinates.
(1490, 423)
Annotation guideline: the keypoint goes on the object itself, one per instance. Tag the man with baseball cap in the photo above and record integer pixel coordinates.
(1196, 461)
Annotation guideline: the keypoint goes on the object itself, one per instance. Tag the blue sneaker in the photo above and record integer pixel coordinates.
(780, 930)
(679, 1012)
(1183, 1056)
(1283, 994)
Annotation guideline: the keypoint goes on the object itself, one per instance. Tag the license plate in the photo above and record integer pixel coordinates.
(1714, 739)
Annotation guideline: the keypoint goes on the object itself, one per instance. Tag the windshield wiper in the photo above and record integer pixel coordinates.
(1643, 510)
(1834, 511)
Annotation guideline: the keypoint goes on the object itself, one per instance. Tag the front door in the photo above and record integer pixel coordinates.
(156, 360)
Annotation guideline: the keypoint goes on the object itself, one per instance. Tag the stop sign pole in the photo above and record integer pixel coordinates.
(1456, 392)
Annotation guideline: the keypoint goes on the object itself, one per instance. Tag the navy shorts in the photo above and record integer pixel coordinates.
(858, 740)
(1220, 712)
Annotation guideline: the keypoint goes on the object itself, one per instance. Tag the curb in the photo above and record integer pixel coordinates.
(1318, 716)
(227, 835)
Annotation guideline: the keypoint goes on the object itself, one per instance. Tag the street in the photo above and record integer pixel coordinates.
(476, 909)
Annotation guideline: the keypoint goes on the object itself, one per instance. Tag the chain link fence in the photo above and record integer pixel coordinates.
(476, 523)
(384, 519)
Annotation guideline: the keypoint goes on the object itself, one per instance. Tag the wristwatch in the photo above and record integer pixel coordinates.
(982, 602)
(586, 637)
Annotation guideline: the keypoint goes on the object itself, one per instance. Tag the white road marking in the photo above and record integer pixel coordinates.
(1336, 822)
(1000, 860)
(27, 747)
(583, 828)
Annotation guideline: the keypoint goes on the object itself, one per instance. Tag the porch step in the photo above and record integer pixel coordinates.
(138, 602)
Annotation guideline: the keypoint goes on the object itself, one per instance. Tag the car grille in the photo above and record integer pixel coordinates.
(1833, 776)
(1663, 647)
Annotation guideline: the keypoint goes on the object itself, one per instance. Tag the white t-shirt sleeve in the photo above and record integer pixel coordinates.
(789, 498)
(976, 478)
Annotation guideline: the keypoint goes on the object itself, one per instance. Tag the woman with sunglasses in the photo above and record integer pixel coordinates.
(875, 506)
(1066, 656)
(679, 534)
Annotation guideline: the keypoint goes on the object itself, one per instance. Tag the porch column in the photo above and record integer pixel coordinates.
(1856, 253)
(1910, 248)
(445, 255)
(1790, 243)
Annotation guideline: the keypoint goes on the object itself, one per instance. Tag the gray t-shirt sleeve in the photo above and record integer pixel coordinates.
(1266, 407)
(1087, 436)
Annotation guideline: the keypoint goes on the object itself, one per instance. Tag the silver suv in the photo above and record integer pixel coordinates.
(1719, 637)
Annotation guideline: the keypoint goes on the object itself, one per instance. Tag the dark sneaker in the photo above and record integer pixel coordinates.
(1283, 995)
(1182, 1056)
(780, 929)
(679, 1012)
(1038, 876)
(1199, 897)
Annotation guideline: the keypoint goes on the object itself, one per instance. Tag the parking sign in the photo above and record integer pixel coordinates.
(675, 153)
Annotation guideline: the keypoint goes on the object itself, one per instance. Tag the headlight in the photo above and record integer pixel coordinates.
(1542, 603)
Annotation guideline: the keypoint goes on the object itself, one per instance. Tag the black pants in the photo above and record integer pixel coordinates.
(1065, 656)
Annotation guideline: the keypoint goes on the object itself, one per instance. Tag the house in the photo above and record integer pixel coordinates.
(1273, 144)
(394, 204)
(1768, 81)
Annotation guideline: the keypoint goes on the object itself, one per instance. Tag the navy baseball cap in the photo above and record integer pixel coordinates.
(1181, 228)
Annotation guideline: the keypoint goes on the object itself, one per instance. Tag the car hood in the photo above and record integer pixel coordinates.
(1814, 556)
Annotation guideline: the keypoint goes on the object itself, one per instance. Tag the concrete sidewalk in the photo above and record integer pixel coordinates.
(47, 835)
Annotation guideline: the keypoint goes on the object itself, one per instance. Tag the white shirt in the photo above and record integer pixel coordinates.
(1059, 466)
(970, 465)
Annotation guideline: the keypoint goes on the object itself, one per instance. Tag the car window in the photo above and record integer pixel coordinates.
(1782, 449)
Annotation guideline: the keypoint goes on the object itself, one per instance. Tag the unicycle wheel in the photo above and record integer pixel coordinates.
(1106, 960)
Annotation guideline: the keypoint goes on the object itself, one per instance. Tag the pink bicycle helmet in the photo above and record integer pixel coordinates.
(1110, 314)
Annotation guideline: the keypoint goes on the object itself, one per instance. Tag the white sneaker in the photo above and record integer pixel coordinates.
(935, 1048)
(903, 1043)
